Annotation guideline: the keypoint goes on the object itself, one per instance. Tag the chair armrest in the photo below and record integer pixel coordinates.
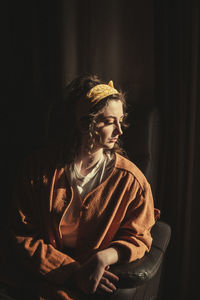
(138, 272)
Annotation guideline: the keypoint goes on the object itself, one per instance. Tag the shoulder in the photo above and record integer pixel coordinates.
(127, 165)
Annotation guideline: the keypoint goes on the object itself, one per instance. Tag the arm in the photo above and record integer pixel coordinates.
(133, 237)
(28, 234)
(41, 258)
(130, 242)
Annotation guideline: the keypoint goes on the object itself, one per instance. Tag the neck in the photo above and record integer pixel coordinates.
(85, 162)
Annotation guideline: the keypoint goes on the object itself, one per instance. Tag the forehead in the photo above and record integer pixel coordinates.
(113, 108)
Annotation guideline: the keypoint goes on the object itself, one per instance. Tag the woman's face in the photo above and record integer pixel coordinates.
(109, 125)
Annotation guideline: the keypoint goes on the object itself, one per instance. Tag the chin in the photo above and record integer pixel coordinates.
(109, 146)
(106, 146)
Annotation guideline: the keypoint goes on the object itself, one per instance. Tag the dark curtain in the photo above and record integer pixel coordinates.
(114, 39)
(151, 50)
(178, 94)
(31, 73)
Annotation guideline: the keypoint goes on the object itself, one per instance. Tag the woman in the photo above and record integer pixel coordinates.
(92, 210)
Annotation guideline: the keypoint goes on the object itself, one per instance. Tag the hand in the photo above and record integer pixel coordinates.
(94, 274)
(106, 284)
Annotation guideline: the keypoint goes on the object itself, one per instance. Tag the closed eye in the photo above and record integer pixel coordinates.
(107, 122)
(110, 120)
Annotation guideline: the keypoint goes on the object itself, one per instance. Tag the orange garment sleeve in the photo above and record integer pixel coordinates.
(133, 237)
(28, 240)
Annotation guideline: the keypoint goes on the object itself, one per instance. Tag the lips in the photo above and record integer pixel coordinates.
(113, 140)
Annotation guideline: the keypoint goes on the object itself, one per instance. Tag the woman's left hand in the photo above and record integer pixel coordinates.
(107, 283)
(94, 274)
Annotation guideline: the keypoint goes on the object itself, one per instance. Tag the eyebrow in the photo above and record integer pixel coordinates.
(105, 117)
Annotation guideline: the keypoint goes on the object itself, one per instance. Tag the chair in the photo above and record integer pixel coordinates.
(140, 279)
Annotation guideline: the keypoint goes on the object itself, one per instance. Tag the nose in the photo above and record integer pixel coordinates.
(118, 129)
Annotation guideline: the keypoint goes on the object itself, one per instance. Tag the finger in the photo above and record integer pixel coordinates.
(104, 289)
(108, 284)
(93, 286)
(95, 279)
(111, 275)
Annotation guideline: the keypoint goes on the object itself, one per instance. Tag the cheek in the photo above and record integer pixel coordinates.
(105, 133)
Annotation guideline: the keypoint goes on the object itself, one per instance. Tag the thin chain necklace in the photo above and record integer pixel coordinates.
(93, 171)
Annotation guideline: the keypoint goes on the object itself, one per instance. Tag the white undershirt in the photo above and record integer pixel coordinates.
(85, 184)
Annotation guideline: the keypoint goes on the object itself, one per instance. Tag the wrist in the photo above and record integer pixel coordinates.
(102, 259)
(108, 256)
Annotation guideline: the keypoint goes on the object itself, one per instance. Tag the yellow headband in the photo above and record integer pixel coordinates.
(101, 91)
